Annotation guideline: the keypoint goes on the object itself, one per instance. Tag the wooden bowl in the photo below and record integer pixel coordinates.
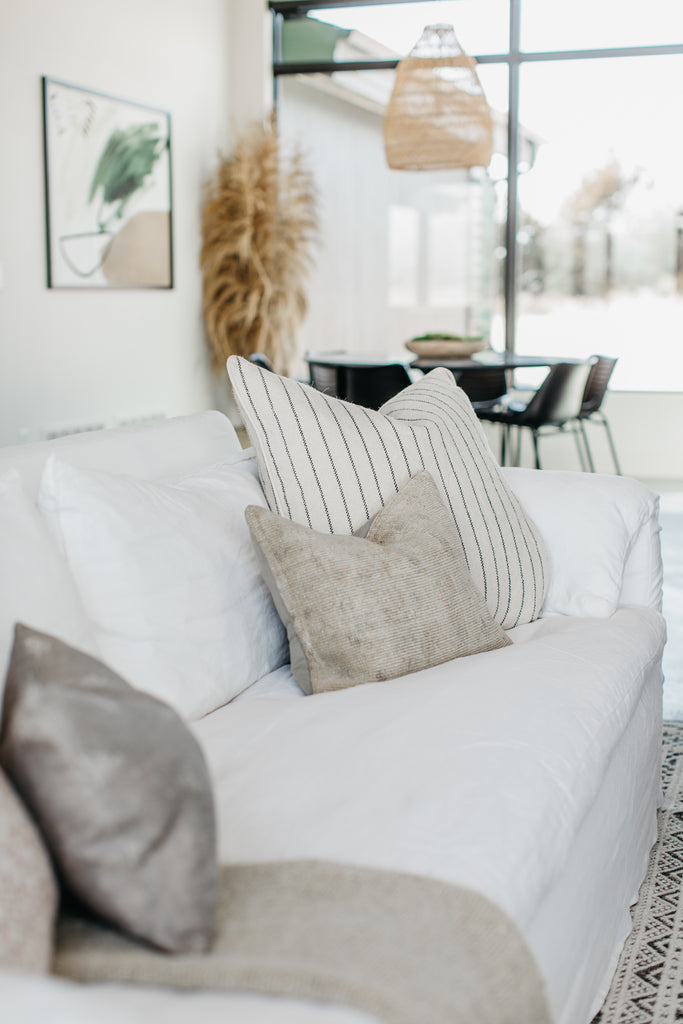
(446, 348)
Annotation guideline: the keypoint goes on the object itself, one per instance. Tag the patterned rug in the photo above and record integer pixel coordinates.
(648, 984)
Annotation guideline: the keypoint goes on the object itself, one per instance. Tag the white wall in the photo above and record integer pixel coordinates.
(72, 359)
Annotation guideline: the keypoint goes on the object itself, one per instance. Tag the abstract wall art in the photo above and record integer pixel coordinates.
(107, 189)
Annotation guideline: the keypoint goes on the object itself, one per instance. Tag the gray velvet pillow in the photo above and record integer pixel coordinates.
(360, 609)
(119, 789)
(28, 890)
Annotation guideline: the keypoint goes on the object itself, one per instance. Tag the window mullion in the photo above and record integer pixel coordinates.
(510, 289)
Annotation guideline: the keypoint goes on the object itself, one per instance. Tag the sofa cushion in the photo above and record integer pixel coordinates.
(28, 890)
(169, 578)
(119, 788)
(591, 524)
(37, 587)
(162, 449)
(330, 465)
(360, 609)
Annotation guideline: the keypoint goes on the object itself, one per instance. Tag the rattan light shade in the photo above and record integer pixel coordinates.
(437, 117)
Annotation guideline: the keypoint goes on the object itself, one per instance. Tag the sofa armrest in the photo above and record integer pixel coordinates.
(643, 573)
(602, 537)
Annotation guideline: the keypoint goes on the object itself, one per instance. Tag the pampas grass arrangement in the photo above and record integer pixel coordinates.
(258, 223)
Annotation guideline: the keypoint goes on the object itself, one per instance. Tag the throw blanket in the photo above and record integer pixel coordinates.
(404, 948)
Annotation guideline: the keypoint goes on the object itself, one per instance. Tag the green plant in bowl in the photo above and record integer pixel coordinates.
(442, 336)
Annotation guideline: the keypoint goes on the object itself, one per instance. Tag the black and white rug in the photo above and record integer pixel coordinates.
(648, 984)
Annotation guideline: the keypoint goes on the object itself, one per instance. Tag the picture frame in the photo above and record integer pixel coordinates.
(108, 190)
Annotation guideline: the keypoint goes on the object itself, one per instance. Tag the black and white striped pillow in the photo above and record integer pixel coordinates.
(331, 465)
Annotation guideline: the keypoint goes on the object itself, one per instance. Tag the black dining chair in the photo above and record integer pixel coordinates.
(554, 407)
(369, 385)
(373, 385)
(260, 360)
(591, 411)
(484, 387)
(326, 378)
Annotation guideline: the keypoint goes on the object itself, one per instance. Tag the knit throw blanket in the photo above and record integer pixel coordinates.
(404, 948)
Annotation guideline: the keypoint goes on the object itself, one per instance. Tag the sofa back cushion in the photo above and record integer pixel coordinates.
(154, 450)
(169, 579)
(602, 536)
(37, 586)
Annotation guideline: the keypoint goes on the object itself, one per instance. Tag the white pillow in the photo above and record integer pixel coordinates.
(330, 465)
(589, 523)
(37, 588)
(169, 579)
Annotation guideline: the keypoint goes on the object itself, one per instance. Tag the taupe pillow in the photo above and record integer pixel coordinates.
(28, 890)
(363, 609)
(119, 789)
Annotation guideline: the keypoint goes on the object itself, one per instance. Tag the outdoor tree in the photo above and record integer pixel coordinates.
(597, 199)
(533, 254)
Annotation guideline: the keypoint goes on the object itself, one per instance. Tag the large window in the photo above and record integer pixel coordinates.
(600, 217)
(576, 249)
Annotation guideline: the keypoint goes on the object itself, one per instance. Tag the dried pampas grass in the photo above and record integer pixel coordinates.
(258, 223)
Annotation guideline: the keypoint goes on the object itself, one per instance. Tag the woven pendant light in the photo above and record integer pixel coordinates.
(437, 117)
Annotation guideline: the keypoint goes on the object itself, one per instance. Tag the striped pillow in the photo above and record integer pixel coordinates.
(330, 465)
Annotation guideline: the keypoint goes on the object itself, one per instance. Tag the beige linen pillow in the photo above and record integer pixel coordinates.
(331, 466)
(28, 890)
(363, 609)
(119, 789)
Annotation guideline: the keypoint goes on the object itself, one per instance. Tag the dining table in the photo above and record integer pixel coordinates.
(489, 358)
(478, 360)
(345, 358)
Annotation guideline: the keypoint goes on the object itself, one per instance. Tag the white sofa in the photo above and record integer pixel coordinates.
(530, 774)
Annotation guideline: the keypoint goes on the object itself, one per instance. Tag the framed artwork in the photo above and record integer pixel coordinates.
(107, 189)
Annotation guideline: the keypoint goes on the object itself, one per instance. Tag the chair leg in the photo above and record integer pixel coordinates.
(518, 453)
(506, 444)
(579, 432)
(611, 444)
(599, 417)
(534, 434)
